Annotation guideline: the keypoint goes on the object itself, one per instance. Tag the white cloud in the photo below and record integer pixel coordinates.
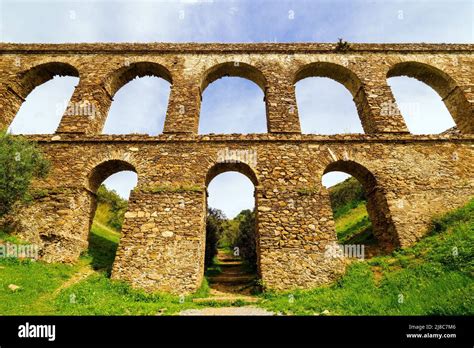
(231, 192)
(422, 108)
(139, 107)
(232, 105)
(324, 106)
(44, 107)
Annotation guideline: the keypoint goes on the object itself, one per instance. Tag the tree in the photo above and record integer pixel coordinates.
(116, 204)
(214, 229)
(20, 162)
(247, 239)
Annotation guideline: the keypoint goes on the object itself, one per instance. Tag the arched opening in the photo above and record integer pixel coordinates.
(233, 100)
(46, 90)
(140, 93)
(110, 184)
(360, 209)
(232, 254)
(324, 105)
(422, 109)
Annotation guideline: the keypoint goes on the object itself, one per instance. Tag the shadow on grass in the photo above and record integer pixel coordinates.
(102, 251)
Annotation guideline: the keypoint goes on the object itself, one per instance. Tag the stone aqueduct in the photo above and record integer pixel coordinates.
(408, 178)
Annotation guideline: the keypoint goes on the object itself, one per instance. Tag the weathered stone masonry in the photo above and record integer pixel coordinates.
(408, 178)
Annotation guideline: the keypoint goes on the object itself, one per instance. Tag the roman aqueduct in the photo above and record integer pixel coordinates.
(408, 178)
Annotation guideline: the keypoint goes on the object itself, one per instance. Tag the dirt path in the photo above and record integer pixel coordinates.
(234, 280)
(80, 275)
(47, 299)
(234, 283)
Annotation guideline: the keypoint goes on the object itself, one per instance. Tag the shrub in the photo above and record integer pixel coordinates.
(20, 162)
(117, 205)
(215, 219)
(246, 241)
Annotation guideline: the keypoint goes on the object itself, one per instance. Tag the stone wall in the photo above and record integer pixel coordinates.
(409, 178)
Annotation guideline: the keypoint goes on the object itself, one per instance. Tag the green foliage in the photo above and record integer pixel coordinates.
(214, 222)
(354, 227)
(20, 162)
(117, 206)
(98, 295)
(434, 277)
(346, 196)
(103, 244)
(342, 46)
(37, 281)
(246, 240)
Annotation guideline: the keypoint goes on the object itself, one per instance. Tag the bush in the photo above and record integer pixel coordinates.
(20, 162)
(246, 241)
(116, 204)
(346, 196)
(215, 219)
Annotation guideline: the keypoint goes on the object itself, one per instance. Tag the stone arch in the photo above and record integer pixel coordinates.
(42, 73)
(105, 169)
(99, 173)
(118, 78)
(236, 69)
(239, 167)
(347, 78)
(249, 172)
(447, 88)
(27, 80)
(377, 205)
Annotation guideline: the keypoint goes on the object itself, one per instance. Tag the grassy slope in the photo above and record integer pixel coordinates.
(350, 214)
(354, 226)
(94, 295)
(433, 277)
(428, 276)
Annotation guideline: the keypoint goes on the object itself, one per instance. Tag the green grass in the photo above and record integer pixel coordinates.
(434, 277)
(37, 280)
(103, 242)
(95, 295)
(98, 295)
(354, 226)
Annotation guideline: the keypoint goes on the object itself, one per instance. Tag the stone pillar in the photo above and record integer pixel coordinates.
(296, 236)
(460, 103)
(280, 100)
(87, 110)
(376, 104)
(459, 97)
(10, 103)
(163, 241)
(57, 221)
(184, 105)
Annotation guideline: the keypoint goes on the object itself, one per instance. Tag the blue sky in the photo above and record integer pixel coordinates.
(233, 104)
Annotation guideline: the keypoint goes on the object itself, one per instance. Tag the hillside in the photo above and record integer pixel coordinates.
(433, 277)
(350, 215)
